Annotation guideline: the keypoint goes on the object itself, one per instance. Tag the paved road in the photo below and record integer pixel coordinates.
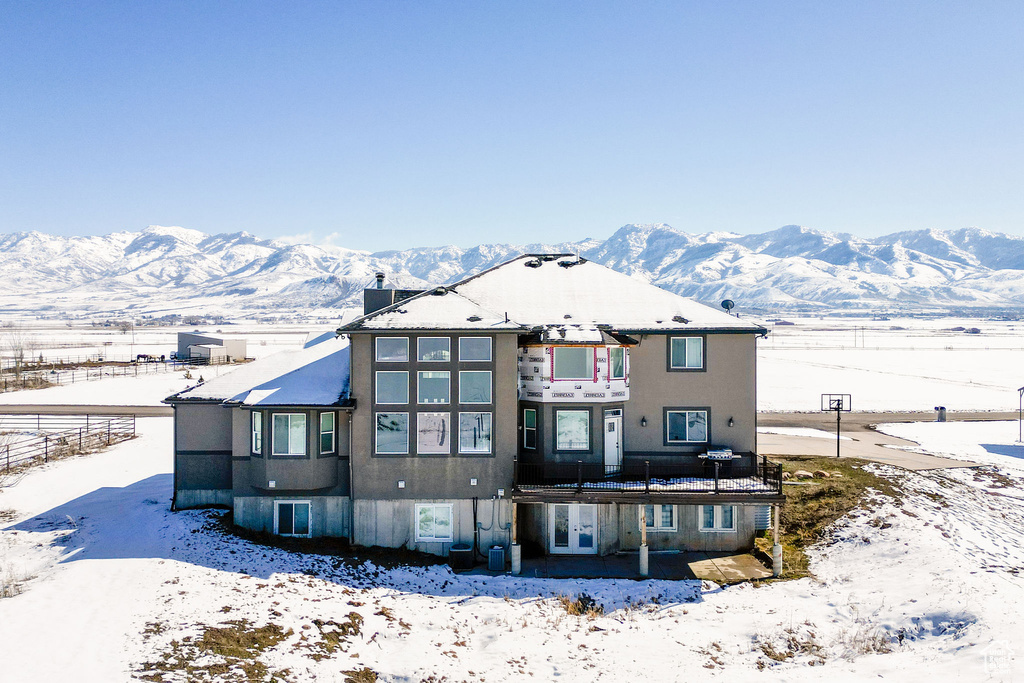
(864, 442)
(139, 411)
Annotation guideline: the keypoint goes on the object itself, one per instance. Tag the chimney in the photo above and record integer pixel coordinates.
(380, 280)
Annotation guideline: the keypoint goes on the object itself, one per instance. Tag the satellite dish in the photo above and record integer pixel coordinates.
(728, 305)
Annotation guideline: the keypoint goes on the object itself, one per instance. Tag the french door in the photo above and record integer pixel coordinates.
(573, 529)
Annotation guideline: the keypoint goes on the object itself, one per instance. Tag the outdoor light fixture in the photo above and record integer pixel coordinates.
(731, 422)
(643, 421)
(401, 483)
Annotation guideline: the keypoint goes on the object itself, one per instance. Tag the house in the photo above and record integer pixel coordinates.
(547, 404)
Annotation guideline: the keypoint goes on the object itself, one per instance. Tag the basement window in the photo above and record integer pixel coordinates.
(718, 518)
(292, 518)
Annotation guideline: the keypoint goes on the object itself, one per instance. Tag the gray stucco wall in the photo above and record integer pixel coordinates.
(727, 388)
(435, 476)
(202, 457)
(392, 524)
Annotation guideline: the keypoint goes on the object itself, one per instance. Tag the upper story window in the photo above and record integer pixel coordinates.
(257, 432)
(686, 353)
(434, 349)
(392, 349)
(392, 433)
(686, 426)
(289, 437)
(572, 430)
(574, 362)
(529, 428)
(326, 433)
(433, 387)
(472, 349)
(617, 362)
(392, 386)
(475, 386)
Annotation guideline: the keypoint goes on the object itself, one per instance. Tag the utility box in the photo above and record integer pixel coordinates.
(940, 413)
(496, 559)
(460, 557)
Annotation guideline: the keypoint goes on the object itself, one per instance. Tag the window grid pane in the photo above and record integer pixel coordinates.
(433, 433)
(475, 386)
(694, 352)
(434, 349)
(574, 362)
(392, 433)
(301, 525)
(392, 349)
(433, 387)
(474, 349)
(618, 363)
(392, 387)
(284, 519)
(474, 432)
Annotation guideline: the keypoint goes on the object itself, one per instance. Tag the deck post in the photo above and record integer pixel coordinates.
(776, 548)
(516, 550)
(717, 465)
(579, 475)
(645, 567)
(647, 488)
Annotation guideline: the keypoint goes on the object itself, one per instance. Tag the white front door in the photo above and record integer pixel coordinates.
(613, 441)
(573, 529)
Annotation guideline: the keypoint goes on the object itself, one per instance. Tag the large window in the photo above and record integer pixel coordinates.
(392, 387)
(326, 433)
(392, 433)
(686, 426)
(289, 436)
(257, 432)
(433, 433)
(572, 430)
(717, 518)
(529, 428)
(434, 523)
(617, 362)
(475, 433)
(686, 353)
(475, 386)
(659, 517)
(292, 518)
(392, 349)
(433, 387)
(472, 349)
(574, 362)
(434, 349)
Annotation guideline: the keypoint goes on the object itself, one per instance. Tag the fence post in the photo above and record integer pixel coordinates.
(8, 456)
(46, 448)
(108, 432)
(79, 438)
(647, 476)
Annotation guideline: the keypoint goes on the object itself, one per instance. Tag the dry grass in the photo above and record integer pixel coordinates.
(814, 505)
(363, 675)
(582, 606)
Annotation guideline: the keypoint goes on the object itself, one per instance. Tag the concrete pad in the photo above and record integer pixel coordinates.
(741, 567)
(668, 566)
(865, 445)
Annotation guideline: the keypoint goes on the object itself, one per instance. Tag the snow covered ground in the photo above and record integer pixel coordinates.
(899, 364)
(119, 581)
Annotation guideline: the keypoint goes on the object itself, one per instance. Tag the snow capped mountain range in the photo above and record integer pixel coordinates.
(176, 270)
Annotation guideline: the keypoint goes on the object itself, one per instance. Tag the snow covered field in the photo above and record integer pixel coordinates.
(899, 364)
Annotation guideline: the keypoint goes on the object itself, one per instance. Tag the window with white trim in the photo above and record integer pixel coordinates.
(434, 523)
(686, 426)
(686, 353)
(659, 517)
(392, 386)
(433, 386)
(617, 362)
(530, 428)
(392, 433)
(572, 430)
(574, 362)
(257, 432)
(474, 349)
(292, 518)
(475, 386)
(718, 518)
(392, 350)
(327, 432)
(475, 433)
(433, 433)
(289, 434)
(434, 349)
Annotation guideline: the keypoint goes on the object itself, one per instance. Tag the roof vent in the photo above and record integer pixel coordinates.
(570, 264)
(380, 280)
(533, 263)
(474, 318)
(566, 316)
(440, 291)
(679, 319)
(549, 257)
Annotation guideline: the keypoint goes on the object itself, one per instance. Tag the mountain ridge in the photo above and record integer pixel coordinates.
(793, 267)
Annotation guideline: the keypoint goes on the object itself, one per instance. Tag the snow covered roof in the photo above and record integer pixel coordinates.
(538, 291)
(316, 375)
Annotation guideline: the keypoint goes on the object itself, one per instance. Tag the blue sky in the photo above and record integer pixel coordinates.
(394, 124)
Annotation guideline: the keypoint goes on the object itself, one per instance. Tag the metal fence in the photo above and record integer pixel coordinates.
(36, 378)
(743, 475)
(26, 439)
